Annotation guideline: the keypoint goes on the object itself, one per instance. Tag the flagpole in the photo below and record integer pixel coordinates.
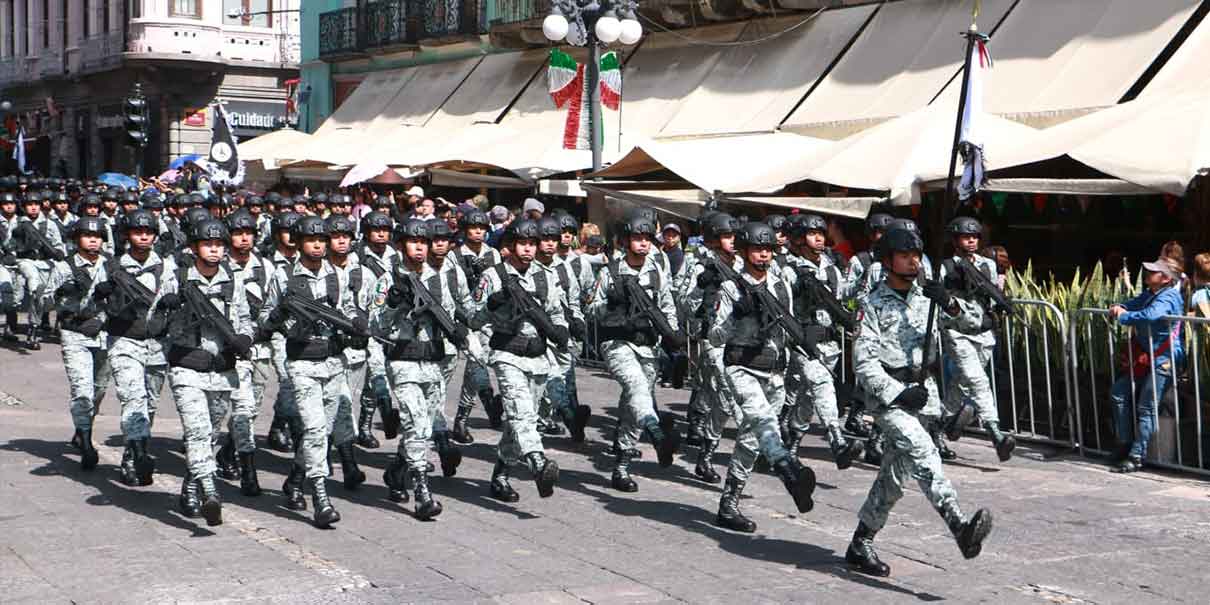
(947, 204)
(594, 99)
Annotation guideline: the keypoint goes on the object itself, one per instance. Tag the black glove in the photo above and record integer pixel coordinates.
(614, 296)
(396, 297)
(745, 305)
(58, 255)
(278, 315)
(361, 325)
(912, 399)
(578, 330)
(675, 342)
(170, 302)
(936, 292)
(67, 290)
(560, 336)
(102, 290)
(497, 300)
(241, 344)
(8, 259)
(709, 279)
(460, 335)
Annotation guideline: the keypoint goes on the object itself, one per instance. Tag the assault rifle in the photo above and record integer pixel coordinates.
(423, 302)
(527, 308)
(39, 241)
(977, 282)
(820, 296)
(641, 305)
(310, 311)
(132, 291)
(773, 312)
(204, 313)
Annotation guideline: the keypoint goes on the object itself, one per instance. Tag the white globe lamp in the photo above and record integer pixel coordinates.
(554, 27)
(608, 29)
(629, 32)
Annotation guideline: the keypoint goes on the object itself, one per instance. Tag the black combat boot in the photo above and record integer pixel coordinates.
(575, 417)
(729, 515)
(783, 424)
(843, 451)
(1005, 444)
(665, 438)
(144, 464)
(461, 432)
(955, 424)
(190, 505)
(88, 452)
(799, 481)
(549, 428)
(10, 317)
(292, 489)
(855, 424)
(212, 508)
(969, 533)
(696, 423)
(873, 447)
(545, 471)
(501, 489)
(353, 476)
(495, 411)
(861, 553)
(621, 480)
(279, 436)
(394, 479)
(249, 483)
(943, 449)
(426, 506)
(126, 472)
(365, 429)
(325, 513)
(225, 460)
(449, 454)
(704, 470)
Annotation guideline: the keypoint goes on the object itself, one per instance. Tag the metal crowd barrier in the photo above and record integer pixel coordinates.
(1178, 444)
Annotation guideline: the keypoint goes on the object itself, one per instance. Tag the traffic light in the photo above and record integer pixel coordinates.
(135, 109)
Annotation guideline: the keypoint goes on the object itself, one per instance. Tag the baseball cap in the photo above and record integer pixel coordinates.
(671, 227)
(416, 191)
(499, 214)
(533, 204)
(1165, 266)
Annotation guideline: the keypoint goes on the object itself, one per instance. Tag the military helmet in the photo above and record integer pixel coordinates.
(33, 197)
(964, 225)
(879, 221)
(568, 222)
(88, 224)
(110, 193)
(549, 227)
(757, 234)
(217, 201)
(308, 226)
(8, 198)
(254, 200)
(720, 224)
(899, 240)
(141, 219)
(813, 222)
(906, 224)
(439, 229)
(522, 229)
(179, 201)
(196, 199)
(193, 216)
(130, 197)
(412, 228)
(209, 229)
(776, 222)
(272, 197)
(639, 225)
(475, 218)
(90, 199)
(59, 197)
(319, 198)
(375, 220)
(285, 221)
(339, 223)
(241, 219)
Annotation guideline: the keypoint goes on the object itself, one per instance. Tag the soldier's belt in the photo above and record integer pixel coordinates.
(312, 350)
(416, 351)
(199, 360)
(524, 346)
(643, 338)
(761, 359)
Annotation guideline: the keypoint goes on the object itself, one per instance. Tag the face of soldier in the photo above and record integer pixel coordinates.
(89, 243)
(378, 236)
(639, 245)
(60, 208)
(8, 208)
(475, 234)
(726, 243)
(217, 211)
(905, 265)
(547, 247)
(285, 240)
(759, 257)
(340, 243)
(210, 252)
(242, 240)
(566, 238)
(31, 210)
(130, 206)
(301, 209)
(816, 241)
(109, 206)
(255, 211)
(141, 238)
(314, 247)
(968, 244)
(415, 249)
(440, 246)
(781, 238)
(92, 211)
(524, 250)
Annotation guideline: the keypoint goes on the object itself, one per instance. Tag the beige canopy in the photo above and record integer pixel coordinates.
(274, 148)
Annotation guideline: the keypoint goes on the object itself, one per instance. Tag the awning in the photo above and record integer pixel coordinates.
(1057, 60)
(1186, 69)
(849, 207)
(753, 88)
(472, 180)
(715, 163)
(427, 89)
(1066, 186)
(898, 64)
(683, 203)
(368, 100)
(274, 147)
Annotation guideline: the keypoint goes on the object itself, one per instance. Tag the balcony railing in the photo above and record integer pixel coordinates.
(441, 18)
(102, 52)
(386, 24)
(390, 23)
(519, 11)
(340, 32)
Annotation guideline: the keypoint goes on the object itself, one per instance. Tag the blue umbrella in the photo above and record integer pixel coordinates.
(114, 179)
(181, 161)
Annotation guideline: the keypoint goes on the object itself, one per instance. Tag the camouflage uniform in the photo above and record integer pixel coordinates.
(85, 356)
(582, 269)
(970, 352)
(558, 401)
(454, 281)
(475, 379)
(253, 372)
(889, 350)
(35, 267)
(137, 359)
(283, 403)
(373, 267)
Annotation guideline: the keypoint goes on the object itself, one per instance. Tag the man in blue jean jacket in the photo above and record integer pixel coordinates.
(1163, 341)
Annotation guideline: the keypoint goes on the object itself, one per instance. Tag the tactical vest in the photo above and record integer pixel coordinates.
(748, 346)
(617, 324)
(373, 263)
(193, 337)
(506, 335)
(136, 327)
(803, 308)
(301, 342)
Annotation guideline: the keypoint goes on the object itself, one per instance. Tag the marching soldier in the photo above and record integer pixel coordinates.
(628, 345)
(81, 330)
(38, 247)
(581, 270)
(518, 299)
(209, 328)
(135, 353)
(893, 350)
(282, 254)
(441, 241)
(377, 258)
(345, 262)
(560, 406)
(476, 256)
(970, 351)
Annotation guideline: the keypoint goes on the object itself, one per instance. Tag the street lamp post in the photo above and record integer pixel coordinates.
(593, 23)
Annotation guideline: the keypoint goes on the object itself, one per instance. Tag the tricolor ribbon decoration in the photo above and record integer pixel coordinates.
(569, 88)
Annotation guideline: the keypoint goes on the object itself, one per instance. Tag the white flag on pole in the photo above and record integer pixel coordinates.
(19, 151)
(971, 141)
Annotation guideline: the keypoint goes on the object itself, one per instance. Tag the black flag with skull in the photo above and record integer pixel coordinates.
(227, 169)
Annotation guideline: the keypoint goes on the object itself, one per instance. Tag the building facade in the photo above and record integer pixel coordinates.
(67, 65)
